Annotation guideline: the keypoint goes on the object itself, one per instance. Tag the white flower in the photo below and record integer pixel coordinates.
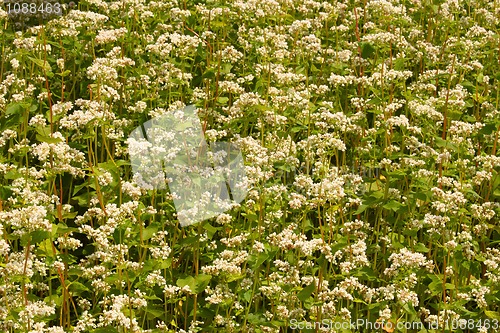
(14, 63)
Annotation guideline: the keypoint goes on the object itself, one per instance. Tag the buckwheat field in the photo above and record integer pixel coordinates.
(369, 132)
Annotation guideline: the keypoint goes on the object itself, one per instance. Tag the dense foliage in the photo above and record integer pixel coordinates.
(370, 133)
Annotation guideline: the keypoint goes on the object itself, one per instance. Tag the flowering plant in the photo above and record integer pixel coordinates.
(370, 137)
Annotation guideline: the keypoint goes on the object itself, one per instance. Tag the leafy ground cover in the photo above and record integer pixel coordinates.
(370, 133)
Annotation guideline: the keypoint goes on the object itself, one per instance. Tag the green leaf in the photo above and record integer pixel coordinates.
(247, 296)
(13, 174)
(222, 100)
(393, 205)
(409, 309)
(78, 187)
(367, 50)
(196, 284)
(234, 277)
(202, 281)
(480, 258)
(397, 174)
(15, 108)
(471, 88)
(262, 257)
(436, 287)
(492, 314)
(366, 273)
(420, 196)
(226, 68)
(47, 247)
(375, 195)
(43, 130)
(150, 231)
(39, 235)
(65, 73)
(360, 209)
(78, 288)
(305, 293)
(43, 64)
(54, 298)
(487, 129)
(443, 143)
(209, 74)
(358, 300)
(11, 122)
(399, 64)
(211, 230)
(70, 215)
(5, 192)
(62, 228)
(284, 167)
(83, 199)
(421, 248)
(48, 139)
(296, 129)
(154, 311)
(257, 319)
(150, 265)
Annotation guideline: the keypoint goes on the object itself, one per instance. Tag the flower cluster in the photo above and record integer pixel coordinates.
(368, 132)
